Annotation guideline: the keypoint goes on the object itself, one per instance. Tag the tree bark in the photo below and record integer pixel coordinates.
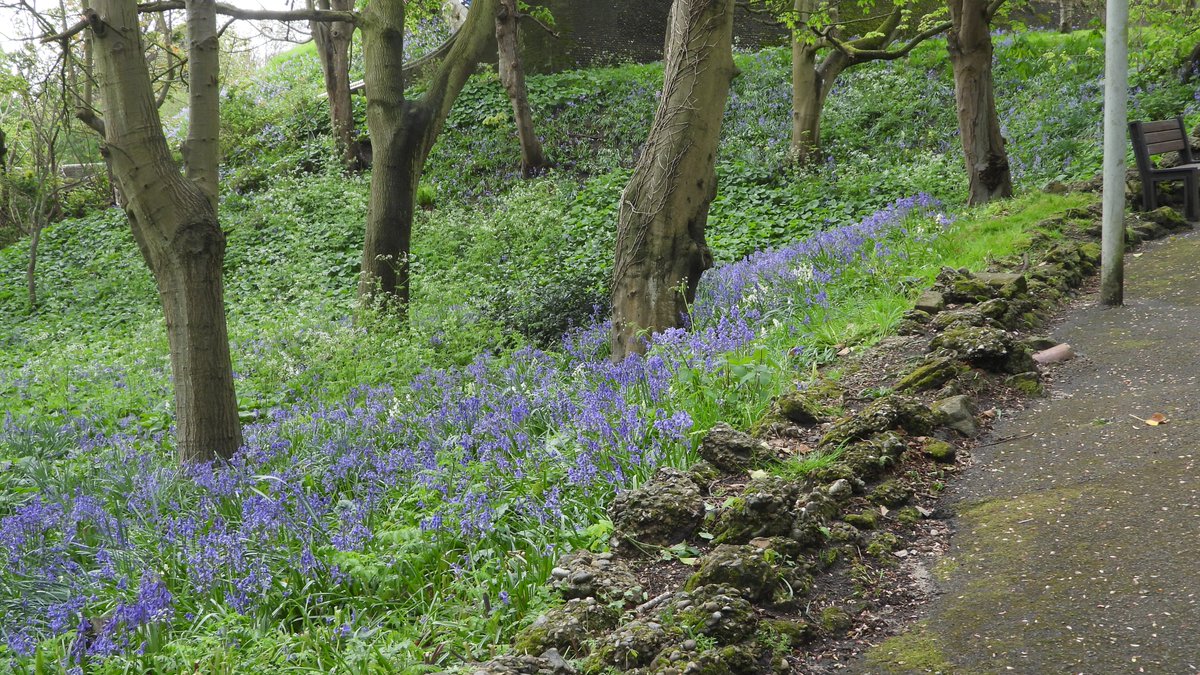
(661, 250)
(402, 135)
(333, 40)
(806, 88)
(1064, 16)
(970, 45)
(31, 269)
(512, 76)
(202, 149)
(176, 228)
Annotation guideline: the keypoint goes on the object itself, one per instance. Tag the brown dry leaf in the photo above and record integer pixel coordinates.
(1157, 419)
(883, 511)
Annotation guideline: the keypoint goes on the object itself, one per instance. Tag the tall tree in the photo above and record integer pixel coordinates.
(333, 39)
(173, 218)
(816, 25)
(970, 45)
(403, 132)
(661, 250)
(512, 76)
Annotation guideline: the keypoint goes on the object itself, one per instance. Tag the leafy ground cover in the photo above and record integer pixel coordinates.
(405, 490)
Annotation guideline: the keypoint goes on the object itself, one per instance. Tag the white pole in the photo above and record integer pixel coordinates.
(1116, 93)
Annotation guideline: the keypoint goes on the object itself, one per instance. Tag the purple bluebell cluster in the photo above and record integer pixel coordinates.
(462, 460)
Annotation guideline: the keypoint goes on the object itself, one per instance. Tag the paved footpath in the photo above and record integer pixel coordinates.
(1077, 544)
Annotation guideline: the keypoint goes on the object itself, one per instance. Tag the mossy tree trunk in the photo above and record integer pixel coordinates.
(175, 225)
(512, 76)
(970, 45)
(333, 40)
(813, 78)
(402, 135)
(661, 250)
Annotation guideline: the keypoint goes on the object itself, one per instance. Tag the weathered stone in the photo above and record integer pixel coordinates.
(867, 520)
(668, 509)
(1037, 344)
(892, 494)
(795, 633)
(801, 407)
(1167, 218)
(719, 612)
(1009, 284)
(961, 287)
(733, 451)
(931, 373)
(836, 620)
(742, 567)
(766, 508)
(592, 575)
(883, 544)
(633, 645)
(746, 657)
(956, 413)
(703, 474)
(967, 316)
(550, 663)
(1055, 354)
(567, 628)
(930, 302)
(987, 348)
(894, 411)
(941, 451)
(840, 490)
(1028, 383)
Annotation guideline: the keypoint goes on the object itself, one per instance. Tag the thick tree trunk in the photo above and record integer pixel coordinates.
(202, 150)
(806, 88)
(333, 49)
(512, 76)
(1064, 16)
(970, 45)
(661, 250)
(402, 134)
(176, 228)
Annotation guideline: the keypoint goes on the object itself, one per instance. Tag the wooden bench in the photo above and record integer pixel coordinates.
(1155, 138)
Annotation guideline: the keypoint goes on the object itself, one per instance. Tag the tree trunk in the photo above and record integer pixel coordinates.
(806, 88)
(176, 228)
(402, 134)
(970, 47)
(35, 236)
(512, 76)
(202, 149)
(333, 49)
(1064, 16)
(661, 250)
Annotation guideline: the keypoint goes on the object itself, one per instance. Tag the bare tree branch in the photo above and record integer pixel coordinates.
(259, 14)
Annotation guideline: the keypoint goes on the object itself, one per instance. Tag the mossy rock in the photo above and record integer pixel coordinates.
(894, 411)
(941, 451)
(931, 373)
(703, 474)
(867, 520)
(633, 645)
(882, 545)
(803, 408)
(766, 508)
(567, 628)
(734, 451)
(1028, 383)
(892, 494)
(831, 473)
(835, 620)
(743, 567)
(908, 515)
(789, 633)
(668, 509)
(1167, 218)
(987, 348)
(963, 288)
(966, 316)
(716, 611)
(748, 657)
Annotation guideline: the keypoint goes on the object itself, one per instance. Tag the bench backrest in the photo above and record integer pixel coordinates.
(1155, 138)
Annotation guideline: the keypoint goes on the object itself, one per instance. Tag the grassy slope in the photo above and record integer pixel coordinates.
(524, 255)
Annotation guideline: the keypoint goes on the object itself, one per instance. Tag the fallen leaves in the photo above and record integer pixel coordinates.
(1153, 420)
